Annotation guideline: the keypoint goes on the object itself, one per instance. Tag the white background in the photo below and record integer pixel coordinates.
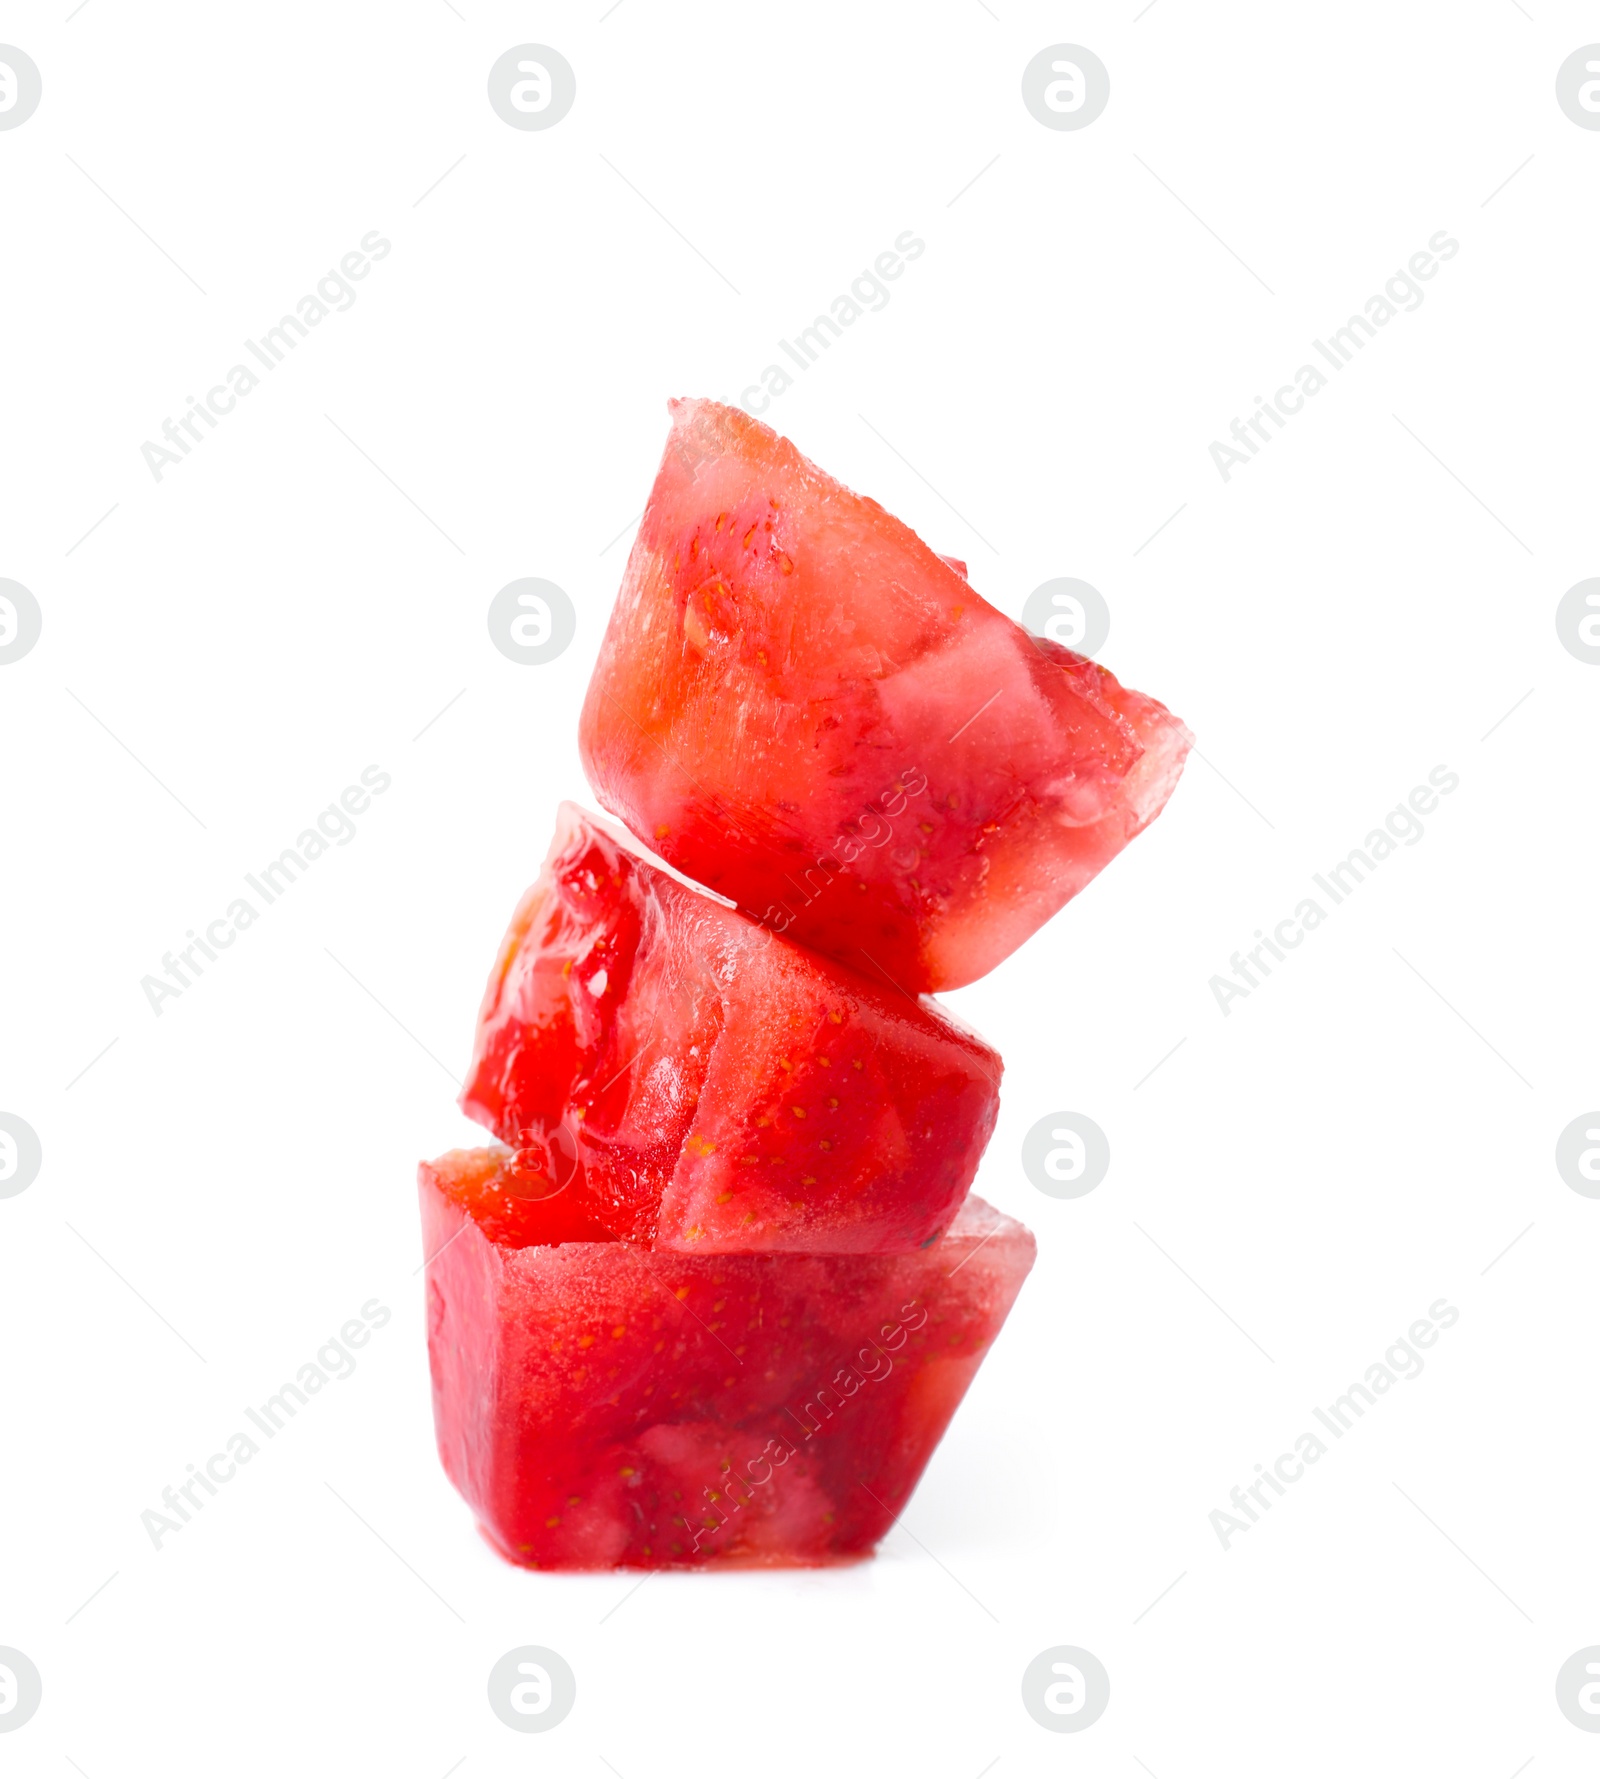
(1337, 1153)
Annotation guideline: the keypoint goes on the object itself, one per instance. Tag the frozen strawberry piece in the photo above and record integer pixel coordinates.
(799, 704)
(603, 1405)
(704, 1084)
(516, 1196)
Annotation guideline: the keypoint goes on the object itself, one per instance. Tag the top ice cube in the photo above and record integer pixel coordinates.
(803, 707)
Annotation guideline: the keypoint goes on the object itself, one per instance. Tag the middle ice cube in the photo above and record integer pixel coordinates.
(695, 1081)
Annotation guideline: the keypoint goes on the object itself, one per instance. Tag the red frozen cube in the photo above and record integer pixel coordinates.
(691, 1080)
(604, 1405)
(799, 704)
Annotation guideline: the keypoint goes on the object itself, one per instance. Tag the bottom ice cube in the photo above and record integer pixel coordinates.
(602, 1405)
